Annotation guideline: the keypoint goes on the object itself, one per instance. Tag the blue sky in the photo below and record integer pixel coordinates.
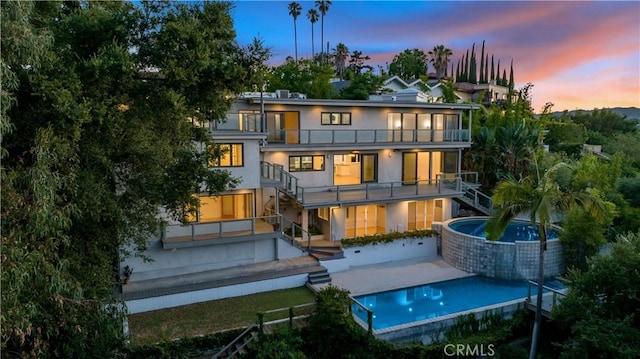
(577, 54)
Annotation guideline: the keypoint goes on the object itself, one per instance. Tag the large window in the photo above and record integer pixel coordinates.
(306, 163)
(422, 214)
(335, 118)
(365, 220)
(226, 155)
(225, 207)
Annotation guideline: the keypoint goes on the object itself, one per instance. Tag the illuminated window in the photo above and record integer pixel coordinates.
(225, 207)
(226, 155)
(323, 213)
(306, 163)
(336, 118)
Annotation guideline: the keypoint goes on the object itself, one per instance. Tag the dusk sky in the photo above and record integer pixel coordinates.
(578, 55)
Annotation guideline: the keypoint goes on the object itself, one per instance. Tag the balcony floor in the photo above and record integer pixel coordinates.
(375, 193)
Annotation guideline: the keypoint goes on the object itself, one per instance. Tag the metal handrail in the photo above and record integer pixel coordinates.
(218, 227)
(555, 292)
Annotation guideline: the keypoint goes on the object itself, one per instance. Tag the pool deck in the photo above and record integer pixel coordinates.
(393, 275)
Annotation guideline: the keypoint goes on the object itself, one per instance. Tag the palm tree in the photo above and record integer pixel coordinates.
(540, 198)
(294, 11)
(323, 7)
(439, 57)
(340, 54)
(312, 15)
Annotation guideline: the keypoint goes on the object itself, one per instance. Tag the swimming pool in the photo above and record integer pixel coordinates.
(407, 305)
(515, 231)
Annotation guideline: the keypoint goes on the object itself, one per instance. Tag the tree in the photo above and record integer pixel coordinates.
(409, 64)
(323, 7)
(294, 11)
(361, 85)
(340, 54)
(540, 198)
(101, 143)
(304, 76)
(312, 15)
(599, 316)
(439, 58)
(357, 62)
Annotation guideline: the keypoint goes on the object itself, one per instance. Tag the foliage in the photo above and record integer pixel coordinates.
(565, 137)
(357, 62)
(332, 327)
(600, 316)
(101, 141)
(361, 86)
(304, 76)
(386, 237)
(539, 197)
(581, 238)
(448, 92)
(283, 343)
(409, 64)
(629, 187)
(439, 58)
(188, 347)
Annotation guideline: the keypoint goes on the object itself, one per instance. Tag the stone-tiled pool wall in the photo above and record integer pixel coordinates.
(517, 260)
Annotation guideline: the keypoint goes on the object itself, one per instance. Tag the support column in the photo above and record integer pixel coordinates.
(304, 221)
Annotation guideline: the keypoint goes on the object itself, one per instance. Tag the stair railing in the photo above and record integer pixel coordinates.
(226, 351)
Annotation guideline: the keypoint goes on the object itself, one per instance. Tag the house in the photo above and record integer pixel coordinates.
(332, 168)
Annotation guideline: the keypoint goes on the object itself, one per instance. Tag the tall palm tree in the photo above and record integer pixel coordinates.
(340, 54)
(439, 57)
(323, 7)
(294, 11)
(540, 198)
(312, 15)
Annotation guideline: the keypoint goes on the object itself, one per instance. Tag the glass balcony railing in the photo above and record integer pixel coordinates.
(340, 137)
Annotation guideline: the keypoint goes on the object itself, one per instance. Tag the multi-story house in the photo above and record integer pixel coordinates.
(334, 168)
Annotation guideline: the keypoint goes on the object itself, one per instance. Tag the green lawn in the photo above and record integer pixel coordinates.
(209, 317)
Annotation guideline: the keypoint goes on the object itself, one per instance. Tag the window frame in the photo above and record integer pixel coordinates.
(215, 162)
(344, 118)
(309, 169)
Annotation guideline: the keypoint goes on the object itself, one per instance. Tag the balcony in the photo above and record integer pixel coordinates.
(220, 232)
(364, 137)
(328, 196)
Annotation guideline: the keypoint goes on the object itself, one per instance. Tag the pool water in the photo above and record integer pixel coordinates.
(516, 230)
(434, 300)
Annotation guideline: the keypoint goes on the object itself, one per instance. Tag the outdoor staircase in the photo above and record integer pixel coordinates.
(476, 199)
(238, 346)
(319, 277)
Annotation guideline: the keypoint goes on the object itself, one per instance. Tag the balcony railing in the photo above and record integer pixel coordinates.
(338, 137)
(234, 228)
(277, 173)
(344, 194)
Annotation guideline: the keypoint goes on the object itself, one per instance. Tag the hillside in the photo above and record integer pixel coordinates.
(632, 113)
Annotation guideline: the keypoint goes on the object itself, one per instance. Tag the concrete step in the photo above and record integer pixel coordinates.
(326, 253)
(319, 277)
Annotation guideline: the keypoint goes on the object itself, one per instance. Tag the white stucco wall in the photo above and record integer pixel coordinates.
(399, 249)
(206, 257)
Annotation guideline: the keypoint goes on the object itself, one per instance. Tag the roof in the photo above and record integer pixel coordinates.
(364, 103)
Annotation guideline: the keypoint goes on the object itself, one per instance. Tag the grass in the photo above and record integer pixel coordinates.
(210, 317)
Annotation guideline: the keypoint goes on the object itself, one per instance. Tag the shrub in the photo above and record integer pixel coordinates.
(386, 237)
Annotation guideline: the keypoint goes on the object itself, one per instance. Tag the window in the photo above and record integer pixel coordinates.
(323, 213)
(336, 118)
(365, 220)
(306, 163)
(226, 155)
(224, 207)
